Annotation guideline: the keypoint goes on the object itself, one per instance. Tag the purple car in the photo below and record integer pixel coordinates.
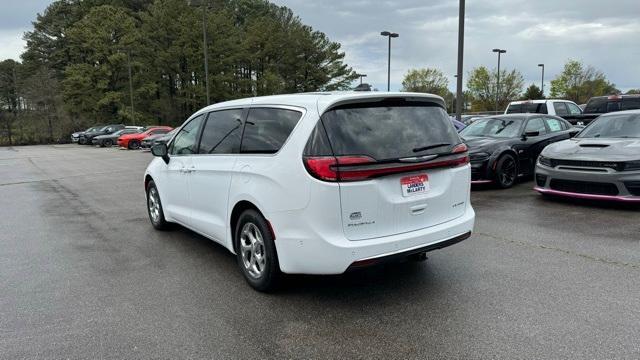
(459, 125)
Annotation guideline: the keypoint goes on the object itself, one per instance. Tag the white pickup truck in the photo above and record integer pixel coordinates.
(560, 108)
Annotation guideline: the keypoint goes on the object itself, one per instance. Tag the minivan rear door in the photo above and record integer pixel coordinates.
(387, 184)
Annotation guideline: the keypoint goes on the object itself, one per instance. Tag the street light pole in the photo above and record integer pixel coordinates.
(499, 51)
(542, 87)
(460, 58)
(389, 35)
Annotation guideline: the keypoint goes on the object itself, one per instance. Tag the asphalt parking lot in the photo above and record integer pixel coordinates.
(84, 275)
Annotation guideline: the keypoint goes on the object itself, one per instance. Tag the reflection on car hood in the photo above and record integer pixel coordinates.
(165, 137)
(476, 144)
(595, 149)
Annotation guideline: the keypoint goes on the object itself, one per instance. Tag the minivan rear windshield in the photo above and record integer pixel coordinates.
(540, 108)
(390, 129)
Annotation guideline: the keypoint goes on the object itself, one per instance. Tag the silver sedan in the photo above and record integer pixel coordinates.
(601, 163)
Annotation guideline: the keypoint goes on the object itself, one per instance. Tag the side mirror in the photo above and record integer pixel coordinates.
(161, 151)
(530, 134)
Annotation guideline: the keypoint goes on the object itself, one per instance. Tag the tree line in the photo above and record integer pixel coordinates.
(577, 82)
(141, 62)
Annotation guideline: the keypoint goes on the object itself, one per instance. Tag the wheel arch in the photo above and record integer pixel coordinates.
(498, 154)
(147, 180)
(240, 207)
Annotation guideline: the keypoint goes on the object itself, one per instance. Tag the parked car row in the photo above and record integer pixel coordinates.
(576, 114)
(600, 161)
(128, 137)
(112, 138)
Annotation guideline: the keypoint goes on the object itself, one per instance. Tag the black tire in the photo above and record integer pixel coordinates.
(134, 145)
(107, 143)
(81, 141)
(506, 172)
(268, 270)
(153, 198)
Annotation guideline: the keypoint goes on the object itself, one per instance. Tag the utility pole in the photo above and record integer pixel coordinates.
(16, 105)
(460, 58)
(130, 86)
(206, 56)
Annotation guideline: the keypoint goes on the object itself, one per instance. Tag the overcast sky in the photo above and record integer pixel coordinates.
(600, 33)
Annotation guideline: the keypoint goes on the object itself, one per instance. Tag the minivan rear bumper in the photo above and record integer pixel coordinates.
(309, 254)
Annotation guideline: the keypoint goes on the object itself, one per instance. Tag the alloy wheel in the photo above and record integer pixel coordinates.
(252, 250)
(154, 205)
(507, 173)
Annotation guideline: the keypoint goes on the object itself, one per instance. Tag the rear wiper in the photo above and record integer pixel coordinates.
(430, 147)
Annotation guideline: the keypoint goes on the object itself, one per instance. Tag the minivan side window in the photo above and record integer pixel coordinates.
(186, 140)
(222, 132)
(266, 129)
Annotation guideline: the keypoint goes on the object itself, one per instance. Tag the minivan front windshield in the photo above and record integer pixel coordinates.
(390, 130)
(613, 126)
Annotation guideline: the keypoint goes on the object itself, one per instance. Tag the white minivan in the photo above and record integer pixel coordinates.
(316, 183)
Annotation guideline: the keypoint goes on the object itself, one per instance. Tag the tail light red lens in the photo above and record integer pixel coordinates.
(321, 167)
(358, 168)
(460, 148)
(326, 167)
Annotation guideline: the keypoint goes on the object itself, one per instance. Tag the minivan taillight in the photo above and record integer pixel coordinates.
(326, 167)
(358, 168)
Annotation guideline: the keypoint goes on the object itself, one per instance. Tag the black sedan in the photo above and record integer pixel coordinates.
(504, 147)
(87, 137)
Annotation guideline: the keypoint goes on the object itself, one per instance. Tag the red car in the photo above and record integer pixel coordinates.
(132, 141)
